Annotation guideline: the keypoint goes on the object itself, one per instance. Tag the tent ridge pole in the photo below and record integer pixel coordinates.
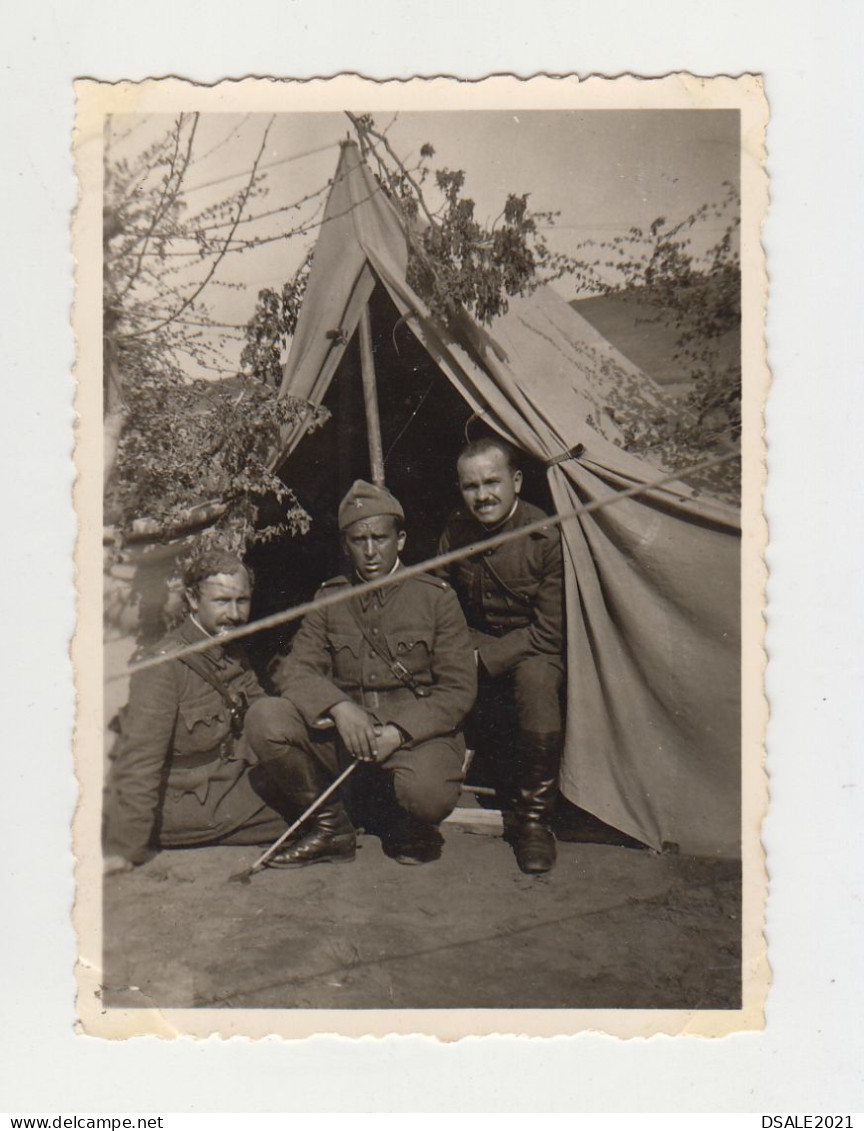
(370, 399)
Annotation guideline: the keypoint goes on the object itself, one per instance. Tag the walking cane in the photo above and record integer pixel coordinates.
(245, 876)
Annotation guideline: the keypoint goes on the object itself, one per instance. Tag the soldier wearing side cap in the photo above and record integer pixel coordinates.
(386, 678)
(512, 596)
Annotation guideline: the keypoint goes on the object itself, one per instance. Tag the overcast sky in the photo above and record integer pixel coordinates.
(602, 170)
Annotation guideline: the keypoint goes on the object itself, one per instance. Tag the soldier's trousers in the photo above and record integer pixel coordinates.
(530, 693)
(426, 778)
(525, 699)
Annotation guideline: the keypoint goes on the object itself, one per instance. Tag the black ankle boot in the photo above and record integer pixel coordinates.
(537, 760)
(328, 835)
(409, 841)
(331, 838)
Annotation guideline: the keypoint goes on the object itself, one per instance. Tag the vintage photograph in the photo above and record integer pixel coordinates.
(415, 484)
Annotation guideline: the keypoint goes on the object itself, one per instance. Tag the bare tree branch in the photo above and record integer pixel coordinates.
(370, 132)
(270, 165)
(214, 266)
(273, 211)
(167, 198)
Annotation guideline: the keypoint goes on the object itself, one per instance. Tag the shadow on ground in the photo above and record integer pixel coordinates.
(609, 928)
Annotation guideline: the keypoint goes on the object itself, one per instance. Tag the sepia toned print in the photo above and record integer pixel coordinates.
(421, 519)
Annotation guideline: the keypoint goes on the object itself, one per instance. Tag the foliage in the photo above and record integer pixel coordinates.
(272, 325)
(206, 442)
(456, 263)
(697, 295)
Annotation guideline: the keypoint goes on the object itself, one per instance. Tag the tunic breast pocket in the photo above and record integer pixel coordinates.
(345, 651)
(411, 648)
(202, 727)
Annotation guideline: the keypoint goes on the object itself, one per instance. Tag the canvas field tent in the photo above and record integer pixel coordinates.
(652, 582)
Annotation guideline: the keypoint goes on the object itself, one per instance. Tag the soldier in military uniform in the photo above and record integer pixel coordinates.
(386, 678)
(182, 771)
(512, 598)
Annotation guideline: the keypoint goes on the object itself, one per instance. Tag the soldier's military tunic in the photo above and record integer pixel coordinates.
(420, 625)
(512, 596)
(178, 776)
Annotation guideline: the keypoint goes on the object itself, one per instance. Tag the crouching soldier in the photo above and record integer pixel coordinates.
(182, 773)
(512, 597)
(386, 678)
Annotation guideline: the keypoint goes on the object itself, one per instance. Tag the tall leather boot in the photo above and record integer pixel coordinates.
(537, 760)
(328, 835)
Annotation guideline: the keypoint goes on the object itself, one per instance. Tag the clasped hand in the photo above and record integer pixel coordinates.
(365, 738)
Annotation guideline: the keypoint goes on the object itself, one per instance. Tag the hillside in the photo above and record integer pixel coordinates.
(646, 336)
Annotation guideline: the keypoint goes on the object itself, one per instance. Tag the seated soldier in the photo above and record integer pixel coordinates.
(385, 678)
(512, 598)
(182, 771)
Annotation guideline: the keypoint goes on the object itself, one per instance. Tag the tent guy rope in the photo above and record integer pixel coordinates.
(298, 611)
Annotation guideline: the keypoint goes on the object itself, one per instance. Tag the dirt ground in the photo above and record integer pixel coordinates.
(611, 927)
